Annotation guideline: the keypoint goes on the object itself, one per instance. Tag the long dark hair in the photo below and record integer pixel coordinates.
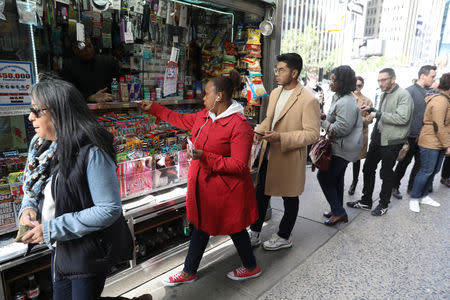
(345, 76)
(74, 123)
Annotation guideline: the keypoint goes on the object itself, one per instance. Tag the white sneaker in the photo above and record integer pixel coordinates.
(255, 239)
(427, 200)
(277, 242)
(414, 205)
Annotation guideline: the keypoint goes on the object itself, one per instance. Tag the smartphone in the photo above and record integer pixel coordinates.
(190, 145)
(261, 134)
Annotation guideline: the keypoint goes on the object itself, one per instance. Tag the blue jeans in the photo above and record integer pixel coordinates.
(89, 288)
(430, 164)
(332, 184)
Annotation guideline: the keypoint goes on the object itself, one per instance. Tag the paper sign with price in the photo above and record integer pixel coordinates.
(16, 79)
(170, 79)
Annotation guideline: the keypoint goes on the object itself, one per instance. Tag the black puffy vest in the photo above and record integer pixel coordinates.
(96, 252)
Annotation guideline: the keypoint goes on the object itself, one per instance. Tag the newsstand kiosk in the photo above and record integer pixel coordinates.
(148, 39)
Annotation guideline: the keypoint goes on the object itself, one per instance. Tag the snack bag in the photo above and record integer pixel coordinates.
(256, 90)
(254, 36)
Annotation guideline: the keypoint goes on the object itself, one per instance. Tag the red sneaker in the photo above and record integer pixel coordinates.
(177, 279)
(243, 273)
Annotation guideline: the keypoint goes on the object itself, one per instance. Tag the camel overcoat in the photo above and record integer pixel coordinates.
(360, 101)
(299, 126)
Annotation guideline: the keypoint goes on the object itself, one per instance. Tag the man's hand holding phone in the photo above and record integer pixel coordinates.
(257, 137)
(272, 136)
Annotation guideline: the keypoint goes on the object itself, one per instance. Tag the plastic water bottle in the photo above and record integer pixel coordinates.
(115, 89)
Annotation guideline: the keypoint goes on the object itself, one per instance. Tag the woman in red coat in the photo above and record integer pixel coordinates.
(220, 195)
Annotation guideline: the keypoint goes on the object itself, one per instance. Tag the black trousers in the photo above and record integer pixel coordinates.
(388, 156)
(199, 241)
(290, 206)
(356, 167)
(401, 167)
(446, 168)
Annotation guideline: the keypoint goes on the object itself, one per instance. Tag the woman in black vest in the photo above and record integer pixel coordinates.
(72, 200)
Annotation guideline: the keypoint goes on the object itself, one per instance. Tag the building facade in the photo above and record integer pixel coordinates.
(373, 18)
(410, 29)
(325, 17)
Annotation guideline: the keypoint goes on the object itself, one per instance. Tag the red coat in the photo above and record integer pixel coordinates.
(220, 196)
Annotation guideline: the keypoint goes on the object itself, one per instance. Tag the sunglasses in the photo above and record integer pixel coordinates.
(37, 111)
(359, 85)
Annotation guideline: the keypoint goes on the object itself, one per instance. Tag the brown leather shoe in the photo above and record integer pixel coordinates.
(334, 220)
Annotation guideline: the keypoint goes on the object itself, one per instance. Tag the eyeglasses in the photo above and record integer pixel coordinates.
(359, 85)
(384, 79)
(279, 71)
(37, 111)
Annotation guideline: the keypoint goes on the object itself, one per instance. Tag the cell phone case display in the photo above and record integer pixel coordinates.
(150, 155)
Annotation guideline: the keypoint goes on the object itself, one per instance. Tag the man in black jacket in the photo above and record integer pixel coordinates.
(91, 73)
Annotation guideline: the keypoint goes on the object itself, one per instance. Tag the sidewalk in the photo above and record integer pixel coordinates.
(401, 255)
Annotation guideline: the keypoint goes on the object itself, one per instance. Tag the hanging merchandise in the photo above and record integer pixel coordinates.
(80, 35)
(145, 26)
(255, 90)
(2, 7)
(183, 17)
(136, 6)
(96, 24)
(106, 29)
(170, 13)
(115, 4)
(146, 53)
(162, 8)
(27, 12)
(170, 79)
(266, 26)
(100, 5)
(128, 34)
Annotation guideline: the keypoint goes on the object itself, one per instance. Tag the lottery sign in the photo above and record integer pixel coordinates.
(16, 79)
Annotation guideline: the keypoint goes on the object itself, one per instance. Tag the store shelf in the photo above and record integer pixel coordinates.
(8, 230)
(38, 251)
(181, 101)
(112, 105)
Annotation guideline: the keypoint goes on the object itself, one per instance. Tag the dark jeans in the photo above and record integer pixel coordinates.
(446, 168)
(89, 288)
(401, 167)
(431, 163)
(290, 206)
(356, 168)
(199, 241)
(332, 184)
(388, 156)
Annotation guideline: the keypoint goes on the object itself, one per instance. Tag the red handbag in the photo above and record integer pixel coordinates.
(320, 152)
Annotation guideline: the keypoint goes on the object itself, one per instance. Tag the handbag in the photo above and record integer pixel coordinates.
(320, 152)
(402, 153)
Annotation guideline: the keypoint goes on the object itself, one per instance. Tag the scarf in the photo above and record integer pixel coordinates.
(37, 171)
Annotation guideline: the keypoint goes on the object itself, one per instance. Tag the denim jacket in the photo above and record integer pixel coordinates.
(104, 188)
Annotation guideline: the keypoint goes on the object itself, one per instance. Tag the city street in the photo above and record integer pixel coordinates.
(401, 255)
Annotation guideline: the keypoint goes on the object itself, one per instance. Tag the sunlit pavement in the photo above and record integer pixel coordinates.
(401, 255)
